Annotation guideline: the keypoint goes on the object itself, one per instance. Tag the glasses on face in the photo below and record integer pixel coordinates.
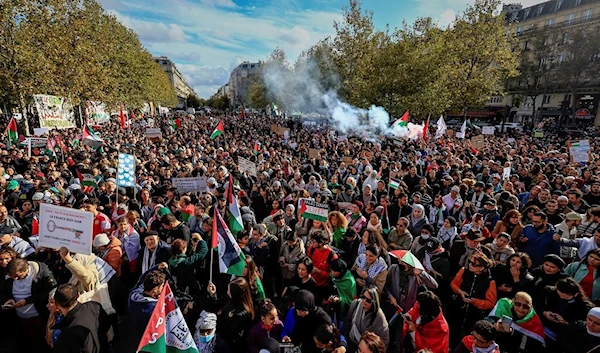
(368, 300)
(475, 264)
(522, 305)
(479, 340)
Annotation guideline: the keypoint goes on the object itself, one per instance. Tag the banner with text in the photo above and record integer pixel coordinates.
(97, 113)
(68, 227)
(193, 184)
(247, 165)
(310, 209)
(54, 112)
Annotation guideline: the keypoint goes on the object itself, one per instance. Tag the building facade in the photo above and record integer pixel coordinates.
(182, 89)
(241, 78)
(563, 17)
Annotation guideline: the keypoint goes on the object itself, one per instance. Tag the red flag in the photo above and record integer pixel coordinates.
(214, 241)
(132, 115)
(426, 129)
(122, 119)
(473, 149)
(35, 226)
(59, 142)
(243, 113)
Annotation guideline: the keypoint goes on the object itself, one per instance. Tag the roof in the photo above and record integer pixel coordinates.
(550, 7)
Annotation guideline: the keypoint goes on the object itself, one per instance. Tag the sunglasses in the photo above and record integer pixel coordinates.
(475, 264)
(522, 305)
(368, 300)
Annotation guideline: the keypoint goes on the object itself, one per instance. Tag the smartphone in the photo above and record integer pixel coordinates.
(506, 322)
(7, 306)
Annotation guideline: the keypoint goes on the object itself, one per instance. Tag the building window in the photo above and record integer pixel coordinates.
(549, 22)
(519, 29)
(547, 99)
(526, 14)
(565, 38)
(577, 2)
(252, 66)
(587, 15)
(570, 18)
(540, 9)
(558, 4)
(496, 100)
(526, 45)
(567, 97)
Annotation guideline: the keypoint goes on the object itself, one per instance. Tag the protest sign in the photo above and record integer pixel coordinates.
(247, 165)
(506, 173)
(342, 138)
(538, 134)
(488, 130)
(97, 113)
(37, 142)
(193, 184)
(313, 153)
(511, 140)
(310, 209)
(126, 170)
(40, 131)
(477, 142)
(153, 133)
(63, 226)
(54, 112)
(579, 151)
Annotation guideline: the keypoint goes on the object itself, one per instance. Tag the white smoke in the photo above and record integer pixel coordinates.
(300, 89)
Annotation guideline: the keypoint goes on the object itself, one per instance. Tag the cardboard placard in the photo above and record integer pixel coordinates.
(247, 165)
(488, 130)
(192, 184)
(63, 226)
(477, 142)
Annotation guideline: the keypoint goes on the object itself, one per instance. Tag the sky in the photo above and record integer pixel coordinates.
(208, 38)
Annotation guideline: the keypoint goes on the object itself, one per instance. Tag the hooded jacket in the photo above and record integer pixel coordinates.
(140, 307)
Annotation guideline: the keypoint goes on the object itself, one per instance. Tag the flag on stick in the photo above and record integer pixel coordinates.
(122, 118)
(441, 127)
(426, 129)
(219, 130)
(167, 331)
(231, 258)
(235, 217)
(402, 121)
(11, 132)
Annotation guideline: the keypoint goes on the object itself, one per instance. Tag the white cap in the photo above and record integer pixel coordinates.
(101, 240)
(38, 196)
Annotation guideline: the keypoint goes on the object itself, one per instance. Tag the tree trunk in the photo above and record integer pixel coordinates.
(24, 112)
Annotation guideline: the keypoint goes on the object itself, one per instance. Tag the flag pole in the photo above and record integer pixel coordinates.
(212, 255)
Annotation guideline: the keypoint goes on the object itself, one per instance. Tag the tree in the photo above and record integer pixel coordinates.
(581, 63)
(193, 101)
(478, 55)
(257, 95)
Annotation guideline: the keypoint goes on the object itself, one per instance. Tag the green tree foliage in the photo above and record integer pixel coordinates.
(76, 50)
(193, 101)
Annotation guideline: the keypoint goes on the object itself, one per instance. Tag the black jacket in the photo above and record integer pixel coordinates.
(83, 330)
(43, 282)
(575, 339)
(163, 254)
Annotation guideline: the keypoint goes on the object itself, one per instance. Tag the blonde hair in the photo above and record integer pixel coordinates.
(342, 221)
(524, 295)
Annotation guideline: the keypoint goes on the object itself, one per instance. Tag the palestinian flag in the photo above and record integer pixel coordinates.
(186, 215)
(60, 144)
(402, 121)
(274, 109)
(86, 179)
(90, 137)
(175, 123)
(231, 258)
(35, 226)
(394, 184)
(219, 130)
(167, 331)
(122, 119)
(50, 144)
(426, 129)
(235, 217)
(11, 132)
(256, 148)
(346, 289)
(530, 326)
(310, 209)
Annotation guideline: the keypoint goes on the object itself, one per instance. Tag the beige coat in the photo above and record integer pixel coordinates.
(84, 272)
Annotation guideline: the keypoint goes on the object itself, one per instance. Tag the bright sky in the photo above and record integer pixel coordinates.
(208, 38)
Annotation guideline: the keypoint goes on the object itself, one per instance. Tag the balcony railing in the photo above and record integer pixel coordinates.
(576, 21)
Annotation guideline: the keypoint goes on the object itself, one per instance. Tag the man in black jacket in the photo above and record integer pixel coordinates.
(26, 292)
(84, 328)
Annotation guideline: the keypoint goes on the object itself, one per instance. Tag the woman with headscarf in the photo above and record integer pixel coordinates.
(417, 220)
(345, 286)
(370, 268)
(364, 315)
(355, 218)
(426, 326)
(519, 327)
(206, 338)
(582, 336)
(307, 318)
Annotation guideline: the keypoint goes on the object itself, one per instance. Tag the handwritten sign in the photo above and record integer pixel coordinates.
(68, 227)
(247, 165)
(477, 142)
(193, 184)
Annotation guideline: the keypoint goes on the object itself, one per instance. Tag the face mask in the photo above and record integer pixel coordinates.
(425, 236)
(206, 339)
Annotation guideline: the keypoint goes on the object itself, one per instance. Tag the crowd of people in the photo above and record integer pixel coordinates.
(428, 246)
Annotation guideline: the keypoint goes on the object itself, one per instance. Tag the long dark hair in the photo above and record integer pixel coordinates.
(240, 294)
(429, 306)
(584, 260)
(327, 333)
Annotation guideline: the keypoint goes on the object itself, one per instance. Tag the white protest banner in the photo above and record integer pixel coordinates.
(68, 227)
(192, 184)
(247, 165)
(579, 151)
(488, 130)
(310, 209)
(97, 113)
(342, 138)
(511, 140)
(506, 173)
(54, 112)
(37, 142)
(40, 131)
(153, 133)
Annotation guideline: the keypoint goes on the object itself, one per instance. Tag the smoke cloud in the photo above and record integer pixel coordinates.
(300, 89)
